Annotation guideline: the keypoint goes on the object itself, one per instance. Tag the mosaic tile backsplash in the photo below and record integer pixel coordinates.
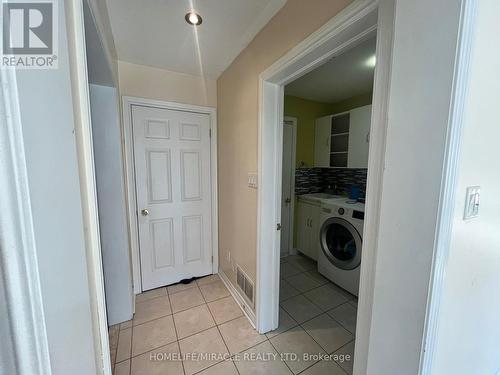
(317, 180)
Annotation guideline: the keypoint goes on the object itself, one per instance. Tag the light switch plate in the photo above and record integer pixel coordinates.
(472, 198)
(252, 180)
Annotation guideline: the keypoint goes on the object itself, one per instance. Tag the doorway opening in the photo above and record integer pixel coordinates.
(319, 279)
(346, 247)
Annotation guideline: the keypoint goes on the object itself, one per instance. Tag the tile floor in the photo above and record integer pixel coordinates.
(199, 328)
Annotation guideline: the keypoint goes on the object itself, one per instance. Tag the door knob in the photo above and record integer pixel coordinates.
(287, 200)
(145, 212)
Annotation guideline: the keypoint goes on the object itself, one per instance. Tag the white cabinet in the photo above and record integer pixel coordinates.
(308, 229)
(359, 137)
(322, 137)
(342, 140)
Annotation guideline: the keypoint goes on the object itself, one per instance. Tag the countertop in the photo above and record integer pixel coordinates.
(328, 199)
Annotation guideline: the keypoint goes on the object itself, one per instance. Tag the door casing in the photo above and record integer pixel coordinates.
(128, 102)
(293, 121)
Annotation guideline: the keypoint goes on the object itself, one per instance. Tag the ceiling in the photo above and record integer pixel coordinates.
(154, 32)
(343, 77)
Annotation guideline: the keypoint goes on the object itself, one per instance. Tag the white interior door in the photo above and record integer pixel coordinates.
(287, 186)
(172, 168)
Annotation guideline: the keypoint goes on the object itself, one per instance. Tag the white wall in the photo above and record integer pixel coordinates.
(115, 246)
(425, 34)
(49, 141)
(153, 83)
(468, 335)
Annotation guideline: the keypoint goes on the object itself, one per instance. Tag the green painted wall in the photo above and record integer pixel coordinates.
(306, 112)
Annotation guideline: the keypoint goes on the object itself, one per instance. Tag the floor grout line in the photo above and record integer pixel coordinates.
(177, 336)
(220, 333)
(217, 325)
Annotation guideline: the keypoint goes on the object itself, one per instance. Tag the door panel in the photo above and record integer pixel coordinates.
(159, 171)
(172, 166)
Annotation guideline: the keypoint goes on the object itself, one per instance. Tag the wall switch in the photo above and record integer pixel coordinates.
(252, 180)
(472, 202)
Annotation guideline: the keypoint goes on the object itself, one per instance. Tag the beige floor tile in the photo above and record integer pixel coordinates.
(327, 332)
(239, 335)
(287, 269)
(122, 368)
(112, 356)
(193, 320)
(222, 368)
(203, 343)
(213, 291)
(285, 323)
(114, 331)
(127, 324)
(153, 334)
(161, 361)
(151, 309)
(300, 308)
(186, 299)
(344, 292)
(225, 309)
(150, 294)
(326, 367)
(261, 360)
(302, 282)
(303, 263)
(347, 352)
(345, 314)
(326, 297)
(124, 345)
(318, 277)
(287, 291)
(297, 341)
(207, 280)
(176, 288)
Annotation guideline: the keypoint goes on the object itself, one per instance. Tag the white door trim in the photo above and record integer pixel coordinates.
(86, 169)
(448, 192)
(20, 290)
(128, 102)
(293, 120)
(355, 22)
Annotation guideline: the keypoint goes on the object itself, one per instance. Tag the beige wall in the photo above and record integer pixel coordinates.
(237, 90)
(153, 83)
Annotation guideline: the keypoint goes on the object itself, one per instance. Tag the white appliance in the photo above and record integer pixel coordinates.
(341, 237)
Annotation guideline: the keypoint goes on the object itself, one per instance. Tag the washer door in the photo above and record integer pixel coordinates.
(341, 243)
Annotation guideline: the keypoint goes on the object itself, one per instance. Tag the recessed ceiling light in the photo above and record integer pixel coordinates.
(371, 61)
(193, 18)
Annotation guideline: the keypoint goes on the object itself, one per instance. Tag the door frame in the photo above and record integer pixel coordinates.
(293, 120)
(358, 20)
(128, 102)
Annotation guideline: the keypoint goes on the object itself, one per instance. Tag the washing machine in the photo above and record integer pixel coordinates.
(341, 238)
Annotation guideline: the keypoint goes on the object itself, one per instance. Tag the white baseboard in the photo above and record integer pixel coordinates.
(247, 310)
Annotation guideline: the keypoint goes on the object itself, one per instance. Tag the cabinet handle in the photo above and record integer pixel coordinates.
(307, 222)
(368, 137)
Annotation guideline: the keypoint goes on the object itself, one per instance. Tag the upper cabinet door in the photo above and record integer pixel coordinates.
(322, 141)
(359, 137)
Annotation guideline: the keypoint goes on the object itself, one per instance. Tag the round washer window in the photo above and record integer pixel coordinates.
(341, 243)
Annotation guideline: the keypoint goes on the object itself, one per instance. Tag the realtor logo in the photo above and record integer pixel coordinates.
(29, 31)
